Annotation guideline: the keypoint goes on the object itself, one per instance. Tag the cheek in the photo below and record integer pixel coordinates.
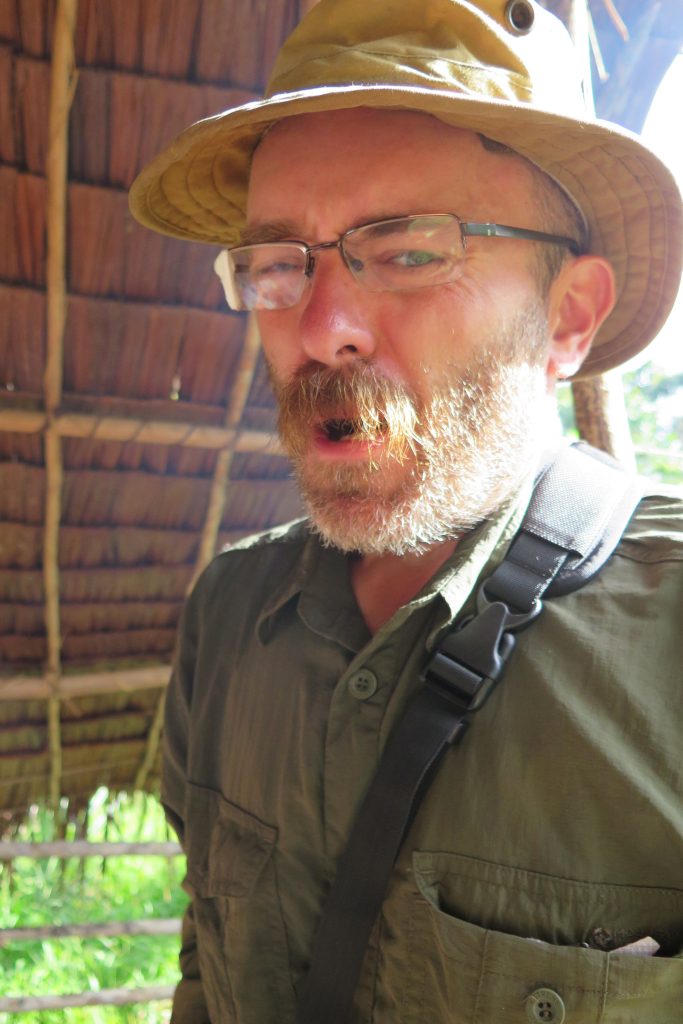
(429, 333)
(278, 333)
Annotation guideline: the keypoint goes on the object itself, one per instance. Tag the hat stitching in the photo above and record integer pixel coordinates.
(517, 76)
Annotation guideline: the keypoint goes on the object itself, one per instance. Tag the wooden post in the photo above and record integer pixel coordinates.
(601, 418)
(598, 402)
(62, 87)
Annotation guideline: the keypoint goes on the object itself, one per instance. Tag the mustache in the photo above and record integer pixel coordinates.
(375, 406)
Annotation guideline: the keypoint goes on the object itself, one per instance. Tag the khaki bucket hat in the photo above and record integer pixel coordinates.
(504, 68)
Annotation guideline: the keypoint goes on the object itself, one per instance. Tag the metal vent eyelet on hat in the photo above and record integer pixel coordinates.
(519, 16)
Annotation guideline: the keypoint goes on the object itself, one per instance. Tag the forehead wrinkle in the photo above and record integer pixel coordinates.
(269, 231)
(280, 230)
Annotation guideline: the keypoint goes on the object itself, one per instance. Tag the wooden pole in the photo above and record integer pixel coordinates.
(86, 684)
(600, 414)
(153, 742)
(54, 745)
(236, 404)
(156, 926)
(214, 512)
(100, 997)
(64, 848)
(99, 426)
(62, 88)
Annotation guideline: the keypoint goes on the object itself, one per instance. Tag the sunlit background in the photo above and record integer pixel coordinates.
(662, 133)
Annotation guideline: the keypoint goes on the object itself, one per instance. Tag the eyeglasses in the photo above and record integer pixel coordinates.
(398, 255)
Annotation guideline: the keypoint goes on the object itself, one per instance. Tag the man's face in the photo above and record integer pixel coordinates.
(409, 416)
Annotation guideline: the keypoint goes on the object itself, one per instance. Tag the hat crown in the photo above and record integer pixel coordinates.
(452, 45)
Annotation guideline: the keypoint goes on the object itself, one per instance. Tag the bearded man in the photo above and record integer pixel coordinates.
(431, 232)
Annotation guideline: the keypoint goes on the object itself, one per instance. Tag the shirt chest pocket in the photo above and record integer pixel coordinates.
(232, 878)
(515, 940)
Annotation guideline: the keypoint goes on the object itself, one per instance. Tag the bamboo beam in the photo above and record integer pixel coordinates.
(38, 779)
(207, 545)
(100, 997)
(87, 684)
(55, 748)
(121, 429)
(54, 475)
(214, 512)
(63, 849)
(153, 743)
(155, 926)
(238, 400)
(62, 87)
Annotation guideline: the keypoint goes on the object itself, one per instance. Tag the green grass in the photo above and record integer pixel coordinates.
(53, 892)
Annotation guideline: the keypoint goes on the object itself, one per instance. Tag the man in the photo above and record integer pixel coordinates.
(413, 345)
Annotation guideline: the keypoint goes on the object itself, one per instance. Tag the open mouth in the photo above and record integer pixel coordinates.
(341, 430)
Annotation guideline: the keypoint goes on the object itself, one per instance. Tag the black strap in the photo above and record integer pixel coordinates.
(579, 509)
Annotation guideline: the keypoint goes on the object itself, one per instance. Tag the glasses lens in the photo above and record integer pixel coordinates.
(406, 253)
(269, 276)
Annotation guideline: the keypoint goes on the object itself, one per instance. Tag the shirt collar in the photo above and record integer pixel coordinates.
(321, 586)
(320, 581)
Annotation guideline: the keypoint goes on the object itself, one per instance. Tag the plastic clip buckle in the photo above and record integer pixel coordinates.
(469, 661)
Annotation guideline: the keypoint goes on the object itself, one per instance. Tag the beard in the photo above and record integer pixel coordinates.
(446, 461)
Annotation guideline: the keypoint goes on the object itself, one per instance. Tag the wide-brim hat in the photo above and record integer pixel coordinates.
(503, 68)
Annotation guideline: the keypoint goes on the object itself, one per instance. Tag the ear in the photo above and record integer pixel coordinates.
(580, 298)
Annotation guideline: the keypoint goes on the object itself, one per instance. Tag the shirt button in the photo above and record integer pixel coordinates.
(544, 1004)
(362, 684)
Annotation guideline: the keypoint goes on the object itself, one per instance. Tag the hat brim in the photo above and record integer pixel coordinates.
(196, 189)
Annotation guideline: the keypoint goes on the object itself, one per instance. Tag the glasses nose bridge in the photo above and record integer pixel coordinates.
(310, 249)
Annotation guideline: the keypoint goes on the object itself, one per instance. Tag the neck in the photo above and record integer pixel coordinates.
(384, 583)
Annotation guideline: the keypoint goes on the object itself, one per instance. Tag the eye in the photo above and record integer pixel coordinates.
(414, 258)
(274, 269)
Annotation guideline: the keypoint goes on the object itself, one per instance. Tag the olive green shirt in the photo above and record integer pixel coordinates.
(551, 835)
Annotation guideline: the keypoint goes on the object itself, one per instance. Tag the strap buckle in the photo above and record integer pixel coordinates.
(469, 661)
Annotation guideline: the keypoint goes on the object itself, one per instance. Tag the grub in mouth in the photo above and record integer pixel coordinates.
(337, 430)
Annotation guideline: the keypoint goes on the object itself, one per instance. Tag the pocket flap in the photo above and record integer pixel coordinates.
(227, 847)
(560, 911)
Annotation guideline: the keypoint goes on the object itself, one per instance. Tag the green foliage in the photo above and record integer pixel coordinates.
(654, 404)
(565, 407)
(54, 892)
(654, 407)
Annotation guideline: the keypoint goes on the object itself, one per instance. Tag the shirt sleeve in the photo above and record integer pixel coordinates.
(189, 1002)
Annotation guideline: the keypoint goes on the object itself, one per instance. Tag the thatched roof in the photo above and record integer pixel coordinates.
(149, 444)
(135, 415)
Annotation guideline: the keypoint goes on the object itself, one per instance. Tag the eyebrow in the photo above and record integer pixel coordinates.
(278, 230)
(270, 231)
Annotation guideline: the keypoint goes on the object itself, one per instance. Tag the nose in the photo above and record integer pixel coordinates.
(336, 323)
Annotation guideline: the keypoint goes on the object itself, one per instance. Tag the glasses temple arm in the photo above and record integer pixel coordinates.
(505, 231)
